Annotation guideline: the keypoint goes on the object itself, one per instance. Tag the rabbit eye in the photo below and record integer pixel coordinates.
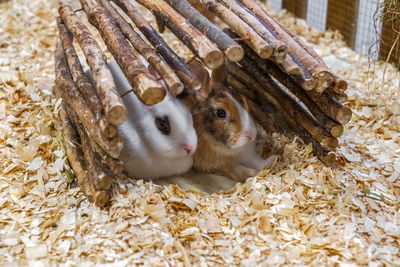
(220, 113)
(163, 125)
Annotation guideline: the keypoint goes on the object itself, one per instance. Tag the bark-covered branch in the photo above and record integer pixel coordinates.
(197, 42)
(290, 65)
(73, 97)
(114, 109)
(82, 82)
(320, 72)
(231, 49)
(278, 47)
(267, 115)
(170, 78)
(175, 62)
(143, 83)
(72, 137)
(255, 41)
(283, 102)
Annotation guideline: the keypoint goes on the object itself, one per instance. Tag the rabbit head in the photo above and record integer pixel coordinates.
(166, 127)
(221, 113)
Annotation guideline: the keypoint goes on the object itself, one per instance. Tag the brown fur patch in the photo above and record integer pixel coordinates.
(212, 155)
(217, 136)
(225, 130)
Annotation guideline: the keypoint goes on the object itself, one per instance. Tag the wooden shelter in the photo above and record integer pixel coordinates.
(289, 77)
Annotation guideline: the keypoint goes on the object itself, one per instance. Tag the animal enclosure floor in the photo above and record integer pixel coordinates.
(299, 212)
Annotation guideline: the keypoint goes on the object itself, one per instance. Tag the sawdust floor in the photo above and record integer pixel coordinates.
(297, 213)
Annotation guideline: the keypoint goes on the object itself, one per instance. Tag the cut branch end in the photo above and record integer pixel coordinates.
(117, 114)
(234, 53)
(214, 59)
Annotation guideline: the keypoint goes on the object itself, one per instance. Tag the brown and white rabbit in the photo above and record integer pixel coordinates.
(225, 129)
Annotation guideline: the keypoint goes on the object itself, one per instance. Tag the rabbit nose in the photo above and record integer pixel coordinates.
(250, 136)
(187, 148)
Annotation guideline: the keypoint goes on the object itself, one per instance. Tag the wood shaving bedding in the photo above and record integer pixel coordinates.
(299, 212)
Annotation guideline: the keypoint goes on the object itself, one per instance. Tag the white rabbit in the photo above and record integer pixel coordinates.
(159, 140)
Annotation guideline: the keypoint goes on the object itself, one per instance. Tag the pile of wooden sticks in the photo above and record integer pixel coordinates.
(259, 58)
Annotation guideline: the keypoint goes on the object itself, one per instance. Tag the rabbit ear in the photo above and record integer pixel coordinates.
(202, 74)
(189, 101)
(218, 75)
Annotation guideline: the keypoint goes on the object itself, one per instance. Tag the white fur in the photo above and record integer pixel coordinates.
(248, 124)
(250, 158)
(148, 153)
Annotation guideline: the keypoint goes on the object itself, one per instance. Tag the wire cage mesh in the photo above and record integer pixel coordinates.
(370, 27)
(316, 14)
(368, 32)
(275, 4)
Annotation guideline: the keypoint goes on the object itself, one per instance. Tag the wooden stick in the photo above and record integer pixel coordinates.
(231, 49)
(306, 48)
(73, 148)
(75, 157)
(260, 113)
(330, 106)
(198, 43)
(170, 78)
(176, 63)
(143, 83)
(283, 102)
(83, 83)
(340, 85)
(198, 6)
(333, 127)
(342, 98)
(279, 48)
(255, 41)
(76, 69)
(326, 102)
(74, 151)
(115, 165)
(291, 106)
(240, 87)
(100, 179)
(270, 119)
(101, 176)
(303, 78)
(114, 109)
(322, 75)
(73, 97)
(70, 138)
(289, 66)
(327, 157)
